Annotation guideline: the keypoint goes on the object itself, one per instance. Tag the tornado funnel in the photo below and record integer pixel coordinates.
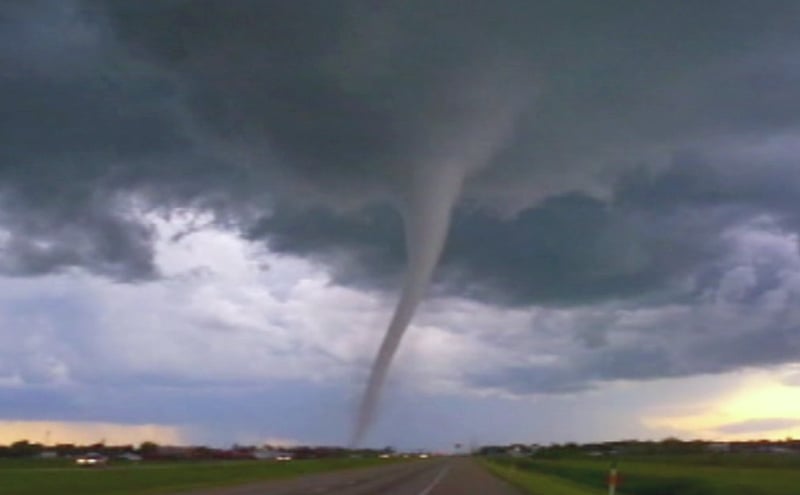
(426, 224)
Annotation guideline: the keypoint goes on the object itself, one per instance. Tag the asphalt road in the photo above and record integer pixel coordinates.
(448, 476)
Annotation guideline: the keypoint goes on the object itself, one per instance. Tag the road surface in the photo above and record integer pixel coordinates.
(448, 476)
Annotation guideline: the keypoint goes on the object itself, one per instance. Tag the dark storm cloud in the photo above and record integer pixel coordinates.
(49, 241)
(640, 363)
(645, 361)
(654, 231)
(536, 379)
(340, 96)
(759, 347)
(71, 117)
(571, 249)
(90, 139)
(619, 180)
(327, 92)
(364, 247)
(742, 315)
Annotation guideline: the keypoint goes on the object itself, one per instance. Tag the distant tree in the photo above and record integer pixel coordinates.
(98, 447)
(148, 449)
(23, 448)
(65, 449)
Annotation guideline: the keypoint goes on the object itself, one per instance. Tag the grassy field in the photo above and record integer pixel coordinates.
(734, 475)
(541, 484)
(40, 477)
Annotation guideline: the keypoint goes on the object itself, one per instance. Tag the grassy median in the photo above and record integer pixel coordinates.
(60, 478)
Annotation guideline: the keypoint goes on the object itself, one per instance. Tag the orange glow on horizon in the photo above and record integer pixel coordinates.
(84, 433)
(763, 408)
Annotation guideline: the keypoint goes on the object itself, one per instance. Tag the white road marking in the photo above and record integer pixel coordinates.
(439, 477)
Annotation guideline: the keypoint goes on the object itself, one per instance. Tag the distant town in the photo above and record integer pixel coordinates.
(668, 446)
(150, 451)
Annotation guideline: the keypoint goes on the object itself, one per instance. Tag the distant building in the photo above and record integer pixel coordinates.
(175, 452)
(780, 450)
(719, 447)
(516, 452)
(265, 454)
(130, 456)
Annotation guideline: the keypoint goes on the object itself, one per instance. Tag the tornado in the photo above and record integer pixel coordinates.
(436, 184)
(434, 192)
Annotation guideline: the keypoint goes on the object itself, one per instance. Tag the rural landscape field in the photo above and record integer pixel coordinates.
(677, 475)
(667, 467)
(60, 477)
(686, 475)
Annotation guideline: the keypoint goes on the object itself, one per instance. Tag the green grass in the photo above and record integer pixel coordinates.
(676, 476)
(44, 477)
(538, 483)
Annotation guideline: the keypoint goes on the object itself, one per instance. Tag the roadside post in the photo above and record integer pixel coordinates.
(613, 479)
